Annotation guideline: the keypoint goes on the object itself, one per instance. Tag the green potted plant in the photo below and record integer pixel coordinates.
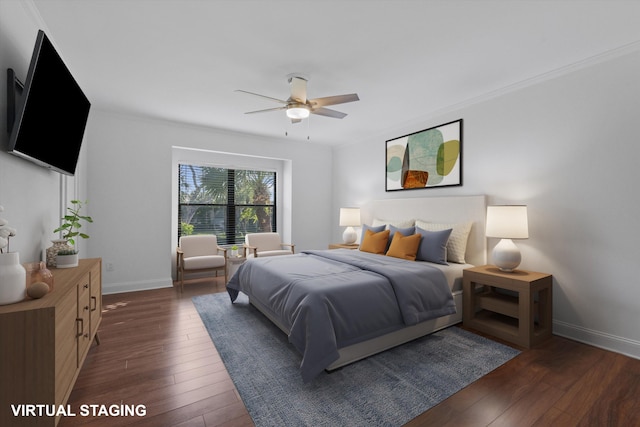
(70, 229)
(234, 250)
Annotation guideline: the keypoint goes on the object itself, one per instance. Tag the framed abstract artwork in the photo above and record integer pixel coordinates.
(426, 159)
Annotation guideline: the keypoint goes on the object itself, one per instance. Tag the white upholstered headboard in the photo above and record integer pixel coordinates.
(449, 209)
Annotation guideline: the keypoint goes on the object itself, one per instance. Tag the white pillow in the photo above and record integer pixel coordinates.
(405, 223)
(457, 244)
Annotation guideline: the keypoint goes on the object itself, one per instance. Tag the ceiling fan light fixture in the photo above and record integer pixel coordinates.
(298, 112)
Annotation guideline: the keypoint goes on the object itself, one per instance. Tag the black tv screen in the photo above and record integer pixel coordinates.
(52, 113)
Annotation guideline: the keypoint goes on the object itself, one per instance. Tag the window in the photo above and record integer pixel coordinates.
(226, 202)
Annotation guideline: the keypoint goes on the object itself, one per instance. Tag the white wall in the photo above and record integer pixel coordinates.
(568, 147)
(130, 182)
(34, 198)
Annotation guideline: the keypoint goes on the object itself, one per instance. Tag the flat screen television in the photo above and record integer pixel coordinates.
(51, 113)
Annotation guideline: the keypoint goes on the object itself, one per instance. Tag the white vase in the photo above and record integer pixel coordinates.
(13, 278)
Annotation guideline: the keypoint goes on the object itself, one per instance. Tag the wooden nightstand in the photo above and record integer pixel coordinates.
(524, 319)
(343, 246)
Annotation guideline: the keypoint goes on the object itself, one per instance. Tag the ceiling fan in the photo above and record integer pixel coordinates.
(298, 107)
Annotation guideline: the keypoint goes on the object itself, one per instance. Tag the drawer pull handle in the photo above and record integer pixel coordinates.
(95, 303)
(80, 326)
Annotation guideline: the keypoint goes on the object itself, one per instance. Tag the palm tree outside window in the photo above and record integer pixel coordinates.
(226, 202)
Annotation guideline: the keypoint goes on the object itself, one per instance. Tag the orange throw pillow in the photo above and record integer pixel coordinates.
(405, 247)
(376, 243)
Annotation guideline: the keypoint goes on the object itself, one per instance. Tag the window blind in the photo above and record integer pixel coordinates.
(226, 202)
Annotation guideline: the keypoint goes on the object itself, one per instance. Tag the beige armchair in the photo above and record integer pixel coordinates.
(266, 244)
(200, 253)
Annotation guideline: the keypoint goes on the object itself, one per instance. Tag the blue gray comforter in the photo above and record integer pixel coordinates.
(335, 298)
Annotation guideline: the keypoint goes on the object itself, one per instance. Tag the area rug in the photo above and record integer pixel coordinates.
(388, 389)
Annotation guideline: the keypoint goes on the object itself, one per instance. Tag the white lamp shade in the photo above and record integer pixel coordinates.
(507, 222)
(349, 217)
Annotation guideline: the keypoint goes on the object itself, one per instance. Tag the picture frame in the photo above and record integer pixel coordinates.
(430, 158)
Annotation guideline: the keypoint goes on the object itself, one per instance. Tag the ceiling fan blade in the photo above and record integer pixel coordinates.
(329, 113)
(267, 110)
(333, 100)
(262, 96)
(298, 89)
(294, 121)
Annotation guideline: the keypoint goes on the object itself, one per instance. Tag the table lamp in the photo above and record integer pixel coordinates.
(349, 217)
(506, 223)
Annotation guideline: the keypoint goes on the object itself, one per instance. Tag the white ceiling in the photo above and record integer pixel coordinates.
(407, 60)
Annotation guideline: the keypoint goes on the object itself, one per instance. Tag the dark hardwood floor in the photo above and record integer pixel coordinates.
(156, 352)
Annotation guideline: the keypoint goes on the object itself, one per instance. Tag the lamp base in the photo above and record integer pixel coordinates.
(506, 255)
(349, 236)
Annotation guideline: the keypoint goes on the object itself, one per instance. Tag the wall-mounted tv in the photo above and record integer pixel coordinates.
(51, 112)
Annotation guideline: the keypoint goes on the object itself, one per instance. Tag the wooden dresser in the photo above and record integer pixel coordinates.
(44, 342)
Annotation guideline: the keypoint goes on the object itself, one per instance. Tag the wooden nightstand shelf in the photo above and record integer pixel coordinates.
(343, 246)
(524, 319)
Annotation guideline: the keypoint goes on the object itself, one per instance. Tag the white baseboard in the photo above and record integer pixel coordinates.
(598, 339)
(143, 285)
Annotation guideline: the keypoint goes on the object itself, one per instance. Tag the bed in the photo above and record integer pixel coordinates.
(340, 306)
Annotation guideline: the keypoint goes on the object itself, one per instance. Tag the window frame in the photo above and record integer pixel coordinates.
(231, 207)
